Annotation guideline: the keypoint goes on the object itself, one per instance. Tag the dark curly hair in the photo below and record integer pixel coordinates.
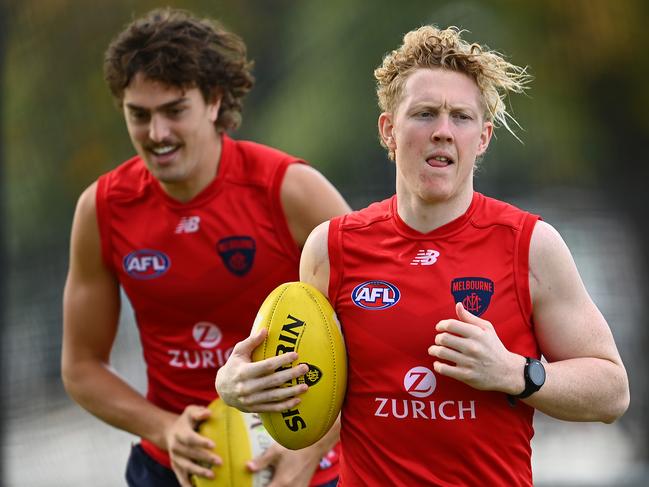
(174, 47)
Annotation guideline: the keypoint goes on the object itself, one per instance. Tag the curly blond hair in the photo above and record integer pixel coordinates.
(431, 47)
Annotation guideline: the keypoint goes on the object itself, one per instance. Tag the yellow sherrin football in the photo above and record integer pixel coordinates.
(300, 318)
(238, 437)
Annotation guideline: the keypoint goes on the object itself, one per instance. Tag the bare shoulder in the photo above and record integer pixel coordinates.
(568, 324)
(86, 208)
(550, 258)
(299, 174)
(314, 263)
(545, 238)
(91, 293)
(308, 199)
(85, 216)
(85, 241)
(317, 243)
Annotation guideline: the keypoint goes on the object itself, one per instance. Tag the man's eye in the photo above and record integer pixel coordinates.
(139, 116)
(174, 112)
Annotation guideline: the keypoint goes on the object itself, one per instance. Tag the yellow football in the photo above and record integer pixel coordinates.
(238, 437)
(299, 318)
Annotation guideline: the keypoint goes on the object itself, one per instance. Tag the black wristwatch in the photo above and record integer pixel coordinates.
(534, 374)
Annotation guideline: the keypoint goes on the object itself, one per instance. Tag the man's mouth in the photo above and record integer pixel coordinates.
(439, 161)
(163, 150)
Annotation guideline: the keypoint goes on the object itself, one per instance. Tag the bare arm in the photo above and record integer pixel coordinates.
(308, 199)
(90, 316)
(586, 380)
(314, 264)
(585, 377)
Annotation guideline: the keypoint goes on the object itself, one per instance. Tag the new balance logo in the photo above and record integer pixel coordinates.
(188, 224)
(425, 257)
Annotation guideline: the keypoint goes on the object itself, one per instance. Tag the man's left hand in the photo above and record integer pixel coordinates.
(472, 353)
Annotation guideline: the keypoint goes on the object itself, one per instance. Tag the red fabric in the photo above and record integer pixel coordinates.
(403, 424)
(187, 267)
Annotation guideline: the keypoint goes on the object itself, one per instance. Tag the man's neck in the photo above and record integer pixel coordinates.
(204, 173)
(426, 216)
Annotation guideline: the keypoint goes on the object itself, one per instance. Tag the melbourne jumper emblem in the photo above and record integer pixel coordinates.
(238, 253)
(473, 292)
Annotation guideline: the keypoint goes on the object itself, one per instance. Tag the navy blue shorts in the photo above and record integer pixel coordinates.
(144, 471)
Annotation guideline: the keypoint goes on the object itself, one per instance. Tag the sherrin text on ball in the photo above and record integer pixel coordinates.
(300, 319)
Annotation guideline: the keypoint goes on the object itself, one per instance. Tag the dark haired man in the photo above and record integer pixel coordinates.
(197, 229)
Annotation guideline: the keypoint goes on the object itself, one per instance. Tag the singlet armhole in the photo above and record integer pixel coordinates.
(521, 266)
(278, 215)
(103, 219)
(335, 250)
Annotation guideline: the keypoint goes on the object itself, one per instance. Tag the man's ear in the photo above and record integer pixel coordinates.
(386, 131)
(214, 105)
(485, 137)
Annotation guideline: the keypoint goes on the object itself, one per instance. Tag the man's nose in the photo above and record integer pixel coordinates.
(158, 128)
(442, 130)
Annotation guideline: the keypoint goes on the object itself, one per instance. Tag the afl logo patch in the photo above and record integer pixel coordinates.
(146, 264)
(237, 253)
(473, 292)
(375, 295)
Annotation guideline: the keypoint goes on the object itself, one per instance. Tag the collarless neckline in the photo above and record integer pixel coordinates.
(211, 189)
(447, 229)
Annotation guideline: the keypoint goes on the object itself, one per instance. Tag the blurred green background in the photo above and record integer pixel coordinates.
(585, 131)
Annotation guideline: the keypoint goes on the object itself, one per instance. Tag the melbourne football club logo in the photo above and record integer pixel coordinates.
(419, 382)
(473, 292)
(238, 253)
(375, 295)
(146, 264)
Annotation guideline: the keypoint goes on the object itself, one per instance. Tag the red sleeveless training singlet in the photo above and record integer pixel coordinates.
(403, 424)
(197, 272)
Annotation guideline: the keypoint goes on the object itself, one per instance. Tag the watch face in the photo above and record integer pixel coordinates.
(536, 372)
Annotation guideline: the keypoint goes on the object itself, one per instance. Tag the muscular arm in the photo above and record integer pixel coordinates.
(90, 315)
(585, 377)
(308, 199)
(586, 380)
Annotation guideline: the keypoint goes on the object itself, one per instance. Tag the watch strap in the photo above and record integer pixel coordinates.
(530, 386)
